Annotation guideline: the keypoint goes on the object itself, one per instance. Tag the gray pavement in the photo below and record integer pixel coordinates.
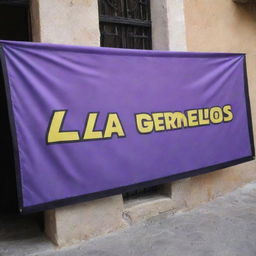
(223, 227)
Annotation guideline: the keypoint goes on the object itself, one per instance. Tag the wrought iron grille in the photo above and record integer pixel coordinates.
(125, 23)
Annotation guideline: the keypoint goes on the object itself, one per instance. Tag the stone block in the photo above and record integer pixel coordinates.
(66, 22)
(74, 223)
(143, 209)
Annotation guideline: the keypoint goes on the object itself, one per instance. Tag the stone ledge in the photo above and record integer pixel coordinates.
(141, 209)
(72, 224)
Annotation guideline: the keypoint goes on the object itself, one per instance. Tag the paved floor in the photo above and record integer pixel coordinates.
(223, 227)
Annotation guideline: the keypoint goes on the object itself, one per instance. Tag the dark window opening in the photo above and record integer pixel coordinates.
(15, 20)
(125, 24)
(142, 193)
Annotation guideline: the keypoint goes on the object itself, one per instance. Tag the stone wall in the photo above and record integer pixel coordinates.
(74, 22)
(220, 26)
(66, 22)
(177, 25)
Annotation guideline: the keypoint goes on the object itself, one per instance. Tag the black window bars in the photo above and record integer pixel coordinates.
(125, 23)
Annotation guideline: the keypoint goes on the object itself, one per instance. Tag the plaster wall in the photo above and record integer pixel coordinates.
(77, 22)
(179, 25)
(168, 25)
(65, 22)
(219, 26)
(74, 22)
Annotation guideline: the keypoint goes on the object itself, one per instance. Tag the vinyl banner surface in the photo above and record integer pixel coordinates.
(89, 122)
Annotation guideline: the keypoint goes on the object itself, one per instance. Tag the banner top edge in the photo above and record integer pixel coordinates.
(117, 51)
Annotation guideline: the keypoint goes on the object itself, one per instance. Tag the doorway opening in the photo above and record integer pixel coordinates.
(14, 25)
(15, 20)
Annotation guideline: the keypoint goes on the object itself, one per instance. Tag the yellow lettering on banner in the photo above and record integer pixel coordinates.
(216, 115)
(169, 121)
(144, 123)
(180, 119)
(203, 116)
(228, 115)
(89, 133)
(55, 135)
(158, 121)
(192, 117)
(113, 126)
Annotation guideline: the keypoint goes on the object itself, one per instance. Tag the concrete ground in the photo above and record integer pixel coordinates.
(223, 227)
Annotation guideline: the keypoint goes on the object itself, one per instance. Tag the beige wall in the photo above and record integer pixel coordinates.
(74, 22)
(220, 26)
(168, 25)
(208, 25)
(65, 22)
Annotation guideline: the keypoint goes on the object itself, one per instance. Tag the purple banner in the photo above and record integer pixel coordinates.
(89, 122)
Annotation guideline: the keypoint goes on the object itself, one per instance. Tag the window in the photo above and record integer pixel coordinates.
(125, 23)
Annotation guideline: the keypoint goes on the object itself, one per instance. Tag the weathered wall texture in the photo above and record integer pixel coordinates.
(65, 21)
(74, 22)
(71, 224)
(220, 26)
(168, 25)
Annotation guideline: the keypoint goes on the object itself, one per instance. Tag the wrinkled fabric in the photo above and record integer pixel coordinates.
(46, 77)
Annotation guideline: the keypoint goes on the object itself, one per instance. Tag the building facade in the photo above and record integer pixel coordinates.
(173, 25)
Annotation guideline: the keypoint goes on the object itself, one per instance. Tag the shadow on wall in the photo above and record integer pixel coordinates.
(247, 5)
(14, 228)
